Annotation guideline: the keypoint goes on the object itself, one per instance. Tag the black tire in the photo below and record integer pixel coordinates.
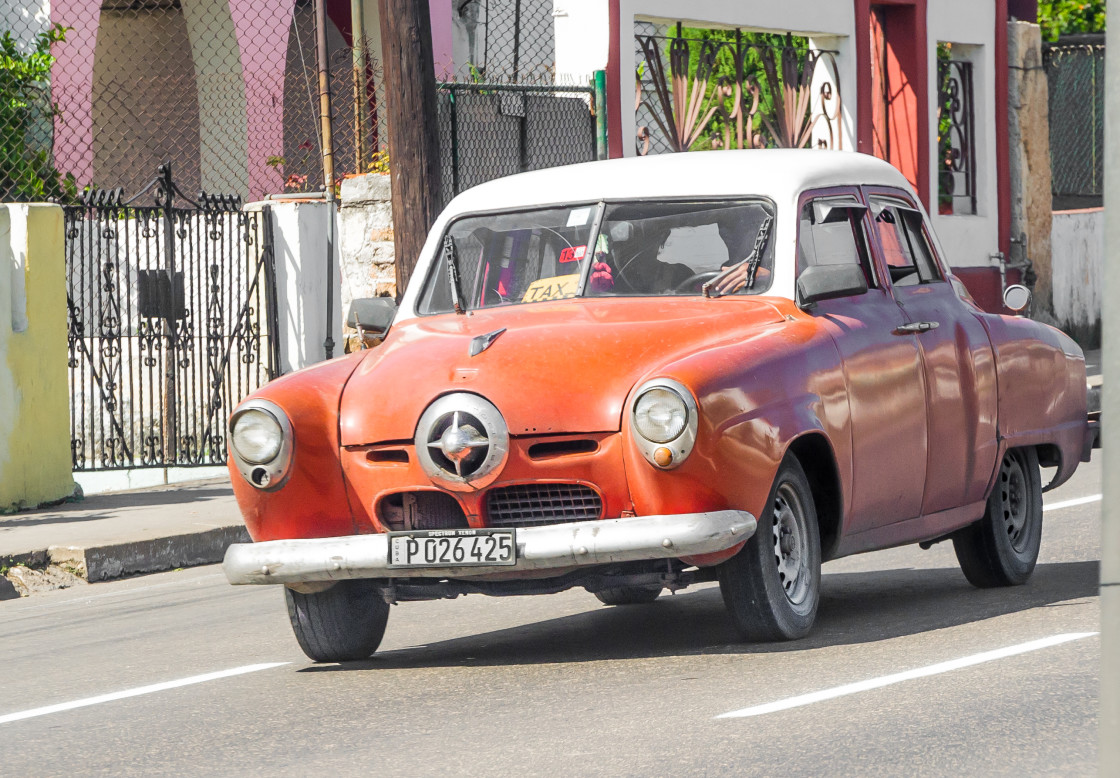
(1001, 549)
(772, 586)
(628, 595)
(344, 623)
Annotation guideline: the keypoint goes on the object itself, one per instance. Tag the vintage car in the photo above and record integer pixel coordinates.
(636, 375)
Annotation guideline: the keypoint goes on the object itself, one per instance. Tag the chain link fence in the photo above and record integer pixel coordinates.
(97, 93)
(1075, 74)
(493, 130)
(504, 41)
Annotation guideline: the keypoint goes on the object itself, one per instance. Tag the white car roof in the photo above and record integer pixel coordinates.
(780, 174)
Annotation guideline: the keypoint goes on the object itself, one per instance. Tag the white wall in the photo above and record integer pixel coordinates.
(968, 240)
(300, 232)
(828, 25)
(1077, 259)
(25, 19)
(583, 30)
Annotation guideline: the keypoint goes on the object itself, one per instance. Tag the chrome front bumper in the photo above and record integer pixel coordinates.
(558, 546)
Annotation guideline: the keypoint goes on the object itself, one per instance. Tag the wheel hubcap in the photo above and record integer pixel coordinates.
(1013, 501)
(791, 544)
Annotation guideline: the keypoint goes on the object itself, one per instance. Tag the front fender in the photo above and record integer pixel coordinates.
(312, 502)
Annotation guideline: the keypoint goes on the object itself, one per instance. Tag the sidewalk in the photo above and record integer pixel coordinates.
(146, 531)
(112, 535)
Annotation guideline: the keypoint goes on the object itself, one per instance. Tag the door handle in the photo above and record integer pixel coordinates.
(914, 328)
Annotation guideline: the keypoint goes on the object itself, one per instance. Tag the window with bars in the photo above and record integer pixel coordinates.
(956, 132)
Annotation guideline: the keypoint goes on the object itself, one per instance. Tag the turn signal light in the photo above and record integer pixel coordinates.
(663, 456)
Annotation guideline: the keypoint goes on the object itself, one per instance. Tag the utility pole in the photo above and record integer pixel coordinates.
(328, 159)
(410, 95)
(1109, 722)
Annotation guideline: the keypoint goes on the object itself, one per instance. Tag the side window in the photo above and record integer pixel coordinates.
(829, 232)
(906, 248)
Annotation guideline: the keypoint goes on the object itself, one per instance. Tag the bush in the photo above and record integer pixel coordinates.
(26, 171)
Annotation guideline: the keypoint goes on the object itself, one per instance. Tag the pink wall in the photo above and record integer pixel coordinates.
(442, 54)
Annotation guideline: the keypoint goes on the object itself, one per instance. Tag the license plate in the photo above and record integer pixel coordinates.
(453, 548)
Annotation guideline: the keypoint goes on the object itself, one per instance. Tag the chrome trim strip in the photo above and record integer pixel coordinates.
(556, 546)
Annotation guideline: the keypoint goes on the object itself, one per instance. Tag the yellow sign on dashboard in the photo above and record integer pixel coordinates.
(555, 288)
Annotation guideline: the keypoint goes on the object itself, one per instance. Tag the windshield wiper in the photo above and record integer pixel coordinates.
(752, 262)
(453, 273)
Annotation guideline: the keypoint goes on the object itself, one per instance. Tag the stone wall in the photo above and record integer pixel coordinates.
(366, 232)
(1029, 126)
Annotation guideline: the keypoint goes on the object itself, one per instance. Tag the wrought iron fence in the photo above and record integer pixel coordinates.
(709, 89)
(97, 93)
(493, 130)
(1075, 75)
(172, 320)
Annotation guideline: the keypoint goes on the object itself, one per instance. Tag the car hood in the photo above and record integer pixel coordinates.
(559, 367)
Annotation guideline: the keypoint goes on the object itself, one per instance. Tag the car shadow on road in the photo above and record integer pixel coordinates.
(855, 608)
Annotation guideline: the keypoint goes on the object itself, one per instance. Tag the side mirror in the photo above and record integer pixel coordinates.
(825, 282)
(1016, 298)
(371, 315)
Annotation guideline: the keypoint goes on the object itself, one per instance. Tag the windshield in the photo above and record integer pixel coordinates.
(640, 249)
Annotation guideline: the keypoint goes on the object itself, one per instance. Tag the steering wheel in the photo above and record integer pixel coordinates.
(696, 280)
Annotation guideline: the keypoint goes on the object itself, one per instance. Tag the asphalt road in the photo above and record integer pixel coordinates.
(910, 671)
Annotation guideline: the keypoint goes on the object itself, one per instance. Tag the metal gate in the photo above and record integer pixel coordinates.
(172, 320)
(493, 130)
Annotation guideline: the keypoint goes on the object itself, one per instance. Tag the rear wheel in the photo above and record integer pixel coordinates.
(628, 595)
(772, 586)
(1001, 549)
(344, 623)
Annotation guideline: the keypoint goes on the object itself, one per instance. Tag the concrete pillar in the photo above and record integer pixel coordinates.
(35, 421)
(222, 116)
(1029, 155)
(1109, 722)
(300, 239)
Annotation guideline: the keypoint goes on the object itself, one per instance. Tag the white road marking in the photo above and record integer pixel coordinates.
(909, 675)
(1071, 503)
(156, 687)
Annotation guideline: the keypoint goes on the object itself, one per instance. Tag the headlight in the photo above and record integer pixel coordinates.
(664, 419)
(257, 436)
(261, 443)
(660, 415)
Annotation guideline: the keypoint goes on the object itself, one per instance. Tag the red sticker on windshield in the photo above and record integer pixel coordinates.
(573, 254)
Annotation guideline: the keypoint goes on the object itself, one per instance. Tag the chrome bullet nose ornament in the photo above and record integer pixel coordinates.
(462, 441)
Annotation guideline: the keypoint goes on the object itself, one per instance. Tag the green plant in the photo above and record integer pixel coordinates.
(27, 172)
(1063, 17)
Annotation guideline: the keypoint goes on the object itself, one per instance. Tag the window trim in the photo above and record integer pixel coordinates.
(872, 192)
(855, 195)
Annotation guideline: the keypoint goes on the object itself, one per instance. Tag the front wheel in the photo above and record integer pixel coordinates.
(772, 586)
(344, 623)
(1001, 549)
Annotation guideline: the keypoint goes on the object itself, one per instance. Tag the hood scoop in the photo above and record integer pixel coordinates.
(483, 342)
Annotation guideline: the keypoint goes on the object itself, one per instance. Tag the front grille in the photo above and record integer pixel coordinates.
(535, 505)
(421, 510)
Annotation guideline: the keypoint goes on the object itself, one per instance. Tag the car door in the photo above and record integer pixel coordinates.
(883, 372)
(956, 354)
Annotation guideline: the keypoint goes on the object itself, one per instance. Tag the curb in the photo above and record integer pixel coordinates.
(102, 563)
(117, 560)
